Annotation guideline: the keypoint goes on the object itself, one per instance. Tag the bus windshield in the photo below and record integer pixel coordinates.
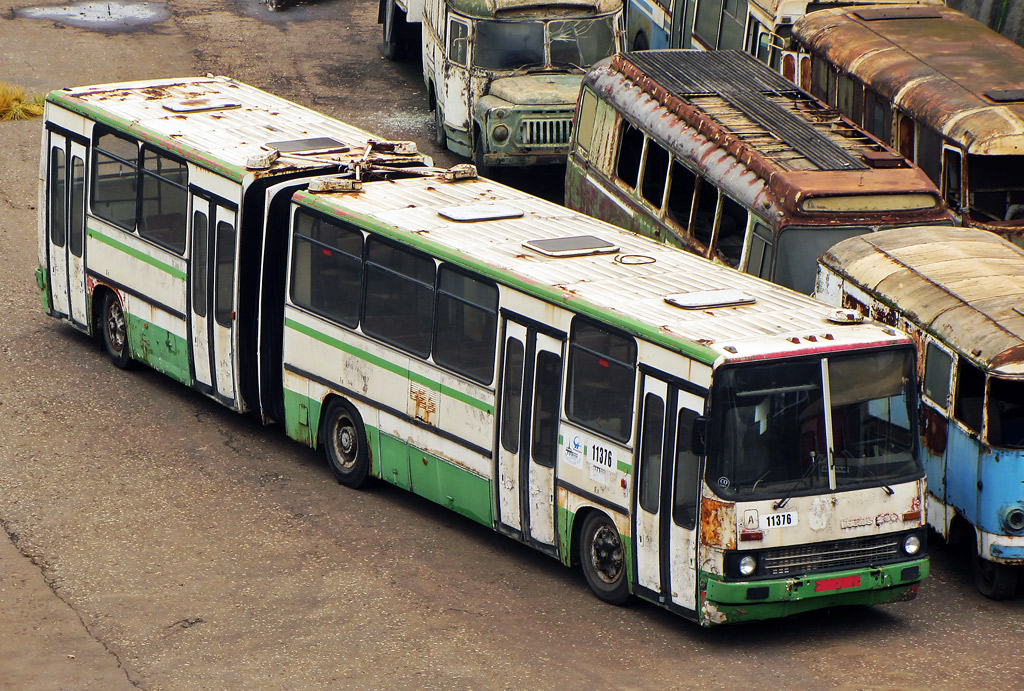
(798, 250)
(997, 193)
(509, 45)
(770, 433)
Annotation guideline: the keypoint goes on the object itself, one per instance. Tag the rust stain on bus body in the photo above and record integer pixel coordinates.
(718, 523)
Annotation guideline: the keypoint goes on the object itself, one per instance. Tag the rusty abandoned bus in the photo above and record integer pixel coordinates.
(502, 76)
(760, 27)
(714, 152)
(943, 89)
(679, 430)
(959, 294)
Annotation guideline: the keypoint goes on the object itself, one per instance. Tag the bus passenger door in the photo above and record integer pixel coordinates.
(666, 498)
(66, 227)
(212, 309)
(531, 386)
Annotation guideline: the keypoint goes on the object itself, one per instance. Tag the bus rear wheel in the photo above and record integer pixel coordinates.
(115, 331)
(994, 580)
(603, 559)
(345, 444)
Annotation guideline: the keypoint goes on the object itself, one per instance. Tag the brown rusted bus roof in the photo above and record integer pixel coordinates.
(939, 65)
(796, 8)
(964, 285)
(787, 137)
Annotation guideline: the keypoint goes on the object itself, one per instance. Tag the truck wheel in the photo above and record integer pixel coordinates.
(994, 580)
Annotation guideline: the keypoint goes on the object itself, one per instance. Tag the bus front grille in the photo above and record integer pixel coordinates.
(831, 556)
(547, 132)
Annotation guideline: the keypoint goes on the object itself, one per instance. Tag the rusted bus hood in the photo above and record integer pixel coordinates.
(538, 89)
(964, 285)
(535, 8)
(950, 90)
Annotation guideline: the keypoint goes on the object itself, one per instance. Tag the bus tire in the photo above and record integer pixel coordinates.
(394, 39)
(345, 444)
(603, 559)
(994, 580)
(115, 331)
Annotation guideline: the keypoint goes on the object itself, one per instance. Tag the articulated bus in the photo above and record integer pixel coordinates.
(714, 152)
(711, 442)
(942, 88)
(958, 293)
(760, 27)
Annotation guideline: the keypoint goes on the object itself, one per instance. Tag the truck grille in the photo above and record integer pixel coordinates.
(830, 556)
(546, 132)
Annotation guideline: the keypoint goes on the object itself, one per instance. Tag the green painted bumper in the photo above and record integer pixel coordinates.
(726, 602)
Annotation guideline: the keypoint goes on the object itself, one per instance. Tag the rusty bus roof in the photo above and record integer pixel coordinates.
(779, 132)
(219, 123)
(501, 9)
(939, 65)
(796, 8)
(964, 285)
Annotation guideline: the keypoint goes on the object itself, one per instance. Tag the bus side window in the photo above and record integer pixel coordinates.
(760, 254)
(327, 269)
(732, 228)
(819, 78)
(684, 506)
(58, 197)
(399, 300)
(877, 116)
(547, 390)
(952, 168)
(584, 130)
(164, 200)
(458, 33)
(704, 215)
(682, 184)
(115, 180)
(968, 403)
(708, 21)
(905, 136)
(602, 377)
(655, 174)
(938, 366)
(850, 98)
(512, 395)
(466, 325)
(224, 303)
(631, 149)
(200, 246)
(929, 152)
(734, 17)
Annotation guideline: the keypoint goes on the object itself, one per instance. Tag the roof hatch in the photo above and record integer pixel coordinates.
(198, 105)
(575, 246)
(706, 299)
(479, 212)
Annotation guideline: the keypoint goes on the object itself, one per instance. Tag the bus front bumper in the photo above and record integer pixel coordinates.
(728, 602)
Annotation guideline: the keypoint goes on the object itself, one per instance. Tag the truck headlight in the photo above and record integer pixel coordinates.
(499, 133)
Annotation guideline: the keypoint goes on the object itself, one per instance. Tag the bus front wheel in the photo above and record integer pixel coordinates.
(345, 444)
(994, 580)
(115, 331)
(603, 559)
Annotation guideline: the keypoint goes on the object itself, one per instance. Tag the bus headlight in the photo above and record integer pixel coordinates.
(1013, 519)
(499, 133)
(912, 544)
(748, 565)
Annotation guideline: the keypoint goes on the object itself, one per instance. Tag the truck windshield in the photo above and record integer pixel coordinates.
(770, 437)
(510, 45)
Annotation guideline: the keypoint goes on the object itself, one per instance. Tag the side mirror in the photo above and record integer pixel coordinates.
(699, 442)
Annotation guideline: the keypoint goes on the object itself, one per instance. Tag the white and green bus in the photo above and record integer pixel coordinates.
(700, 438)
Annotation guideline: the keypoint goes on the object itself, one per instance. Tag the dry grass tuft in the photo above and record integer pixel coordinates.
(15, 106)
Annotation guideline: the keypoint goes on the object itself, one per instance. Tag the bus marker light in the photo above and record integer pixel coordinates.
(750, 535)
(836, 583)
(912, 516)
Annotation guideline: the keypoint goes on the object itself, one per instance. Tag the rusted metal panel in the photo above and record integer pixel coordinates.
(964, 285)
(936, 69)
(718, 523)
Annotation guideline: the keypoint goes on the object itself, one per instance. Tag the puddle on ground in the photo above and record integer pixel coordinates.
(100, 15)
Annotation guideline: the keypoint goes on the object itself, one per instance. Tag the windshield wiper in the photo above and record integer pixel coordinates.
(799, 481)
(881, 483)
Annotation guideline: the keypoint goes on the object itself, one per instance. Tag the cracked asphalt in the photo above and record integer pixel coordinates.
(153, 539)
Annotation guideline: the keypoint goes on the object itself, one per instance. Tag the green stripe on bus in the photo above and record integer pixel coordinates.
(625, 467)
(137, 254)
(377, 361)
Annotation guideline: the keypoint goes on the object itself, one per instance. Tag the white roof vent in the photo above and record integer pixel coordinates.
(707, 299)
(198, 105)
(575, 246)
(479, 212)
(843, 316)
